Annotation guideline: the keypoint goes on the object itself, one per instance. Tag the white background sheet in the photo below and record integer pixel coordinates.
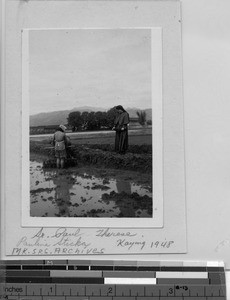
(107, 14)
(206, 69)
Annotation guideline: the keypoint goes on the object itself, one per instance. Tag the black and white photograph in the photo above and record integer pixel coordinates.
(90, 100)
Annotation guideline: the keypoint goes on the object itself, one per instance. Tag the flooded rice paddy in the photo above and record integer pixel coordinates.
(85, 193)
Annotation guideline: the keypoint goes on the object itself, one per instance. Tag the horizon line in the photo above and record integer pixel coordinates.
(106, 109)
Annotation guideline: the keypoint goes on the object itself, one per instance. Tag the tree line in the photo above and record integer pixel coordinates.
(91, 120)
(99, 120)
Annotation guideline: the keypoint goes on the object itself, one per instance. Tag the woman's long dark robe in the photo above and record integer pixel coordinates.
(121, 127)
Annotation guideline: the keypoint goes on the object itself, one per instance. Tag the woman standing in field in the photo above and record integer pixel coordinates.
(60, 141)
(121, 128)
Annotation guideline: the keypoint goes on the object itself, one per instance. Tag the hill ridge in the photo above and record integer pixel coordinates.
(60, 117)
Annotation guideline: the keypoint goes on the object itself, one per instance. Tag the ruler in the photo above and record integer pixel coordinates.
(111, 280)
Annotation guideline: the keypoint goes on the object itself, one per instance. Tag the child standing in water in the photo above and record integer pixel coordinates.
(60, 142)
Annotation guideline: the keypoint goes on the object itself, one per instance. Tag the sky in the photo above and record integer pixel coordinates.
(89, 67)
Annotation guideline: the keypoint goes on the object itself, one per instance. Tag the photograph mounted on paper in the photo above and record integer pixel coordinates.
(92, 127)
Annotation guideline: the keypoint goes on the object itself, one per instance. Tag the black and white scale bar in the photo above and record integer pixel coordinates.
(112, 265)
(108, 268)
(70, 280)
(162, 277)
(111, 280)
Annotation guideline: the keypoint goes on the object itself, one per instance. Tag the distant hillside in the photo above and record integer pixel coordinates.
(60, 117)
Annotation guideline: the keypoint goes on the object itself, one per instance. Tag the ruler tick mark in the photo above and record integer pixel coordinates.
(35, 286)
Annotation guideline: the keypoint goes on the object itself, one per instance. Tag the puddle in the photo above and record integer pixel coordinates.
(63, 193)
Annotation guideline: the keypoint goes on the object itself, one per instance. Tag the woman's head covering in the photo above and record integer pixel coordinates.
(63, 128)
(120, 107)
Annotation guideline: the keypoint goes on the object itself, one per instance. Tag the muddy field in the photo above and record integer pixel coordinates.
(96, 183)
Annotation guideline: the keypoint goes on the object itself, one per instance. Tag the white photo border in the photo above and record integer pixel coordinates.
(157, 143)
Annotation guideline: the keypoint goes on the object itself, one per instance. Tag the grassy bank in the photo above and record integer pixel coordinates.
(138, 158)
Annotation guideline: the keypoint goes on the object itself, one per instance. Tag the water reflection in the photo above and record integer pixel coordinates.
(123, 186)
(56, 193)
(126, 209)
(62, 195)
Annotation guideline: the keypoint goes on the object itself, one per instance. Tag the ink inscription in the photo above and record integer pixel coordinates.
(78, 241)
